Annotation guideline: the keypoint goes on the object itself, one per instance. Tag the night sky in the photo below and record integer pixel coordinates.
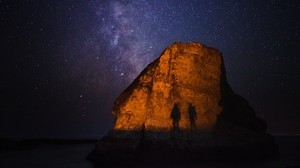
(64, 62)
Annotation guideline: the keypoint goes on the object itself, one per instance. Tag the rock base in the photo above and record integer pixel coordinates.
(186, 148)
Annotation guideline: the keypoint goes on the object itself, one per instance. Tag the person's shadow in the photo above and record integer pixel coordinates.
(175, 116)
(192, 116)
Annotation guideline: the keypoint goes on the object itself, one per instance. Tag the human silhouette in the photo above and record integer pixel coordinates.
(192, 116)
(175, 116)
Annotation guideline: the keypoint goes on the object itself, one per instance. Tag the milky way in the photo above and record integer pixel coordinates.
(64, 62)
(125, 26)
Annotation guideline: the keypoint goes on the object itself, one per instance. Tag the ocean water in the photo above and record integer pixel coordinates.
(48, 156)
(73, 156)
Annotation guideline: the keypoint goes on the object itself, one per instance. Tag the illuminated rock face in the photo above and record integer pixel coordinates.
(181, 109)
(186, 75)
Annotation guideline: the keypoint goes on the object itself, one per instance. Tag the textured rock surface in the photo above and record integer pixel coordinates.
(181, 103)
(184, 74)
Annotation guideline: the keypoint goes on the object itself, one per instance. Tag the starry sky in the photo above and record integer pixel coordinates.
(64, 62)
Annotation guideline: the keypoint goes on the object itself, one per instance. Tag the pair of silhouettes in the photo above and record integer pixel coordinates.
(176, 115)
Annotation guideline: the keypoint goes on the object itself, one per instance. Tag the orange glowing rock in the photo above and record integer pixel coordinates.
(181, 108)
(184, 74)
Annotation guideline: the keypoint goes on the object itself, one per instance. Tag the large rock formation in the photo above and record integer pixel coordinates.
(184, 74)
(181, 108)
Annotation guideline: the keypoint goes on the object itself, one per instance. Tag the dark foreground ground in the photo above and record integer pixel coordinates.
(71, 154)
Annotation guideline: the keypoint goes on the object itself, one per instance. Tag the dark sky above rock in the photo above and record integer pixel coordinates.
(64, 62)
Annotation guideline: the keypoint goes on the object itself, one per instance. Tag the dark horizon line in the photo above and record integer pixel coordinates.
(58, 139)
(49, 140)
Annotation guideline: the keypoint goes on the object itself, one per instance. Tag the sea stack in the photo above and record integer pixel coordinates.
(182, 109)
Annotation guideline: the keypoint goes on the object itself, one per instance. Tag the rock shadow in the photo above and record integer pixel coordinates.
(192, 116)
(175, 116)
